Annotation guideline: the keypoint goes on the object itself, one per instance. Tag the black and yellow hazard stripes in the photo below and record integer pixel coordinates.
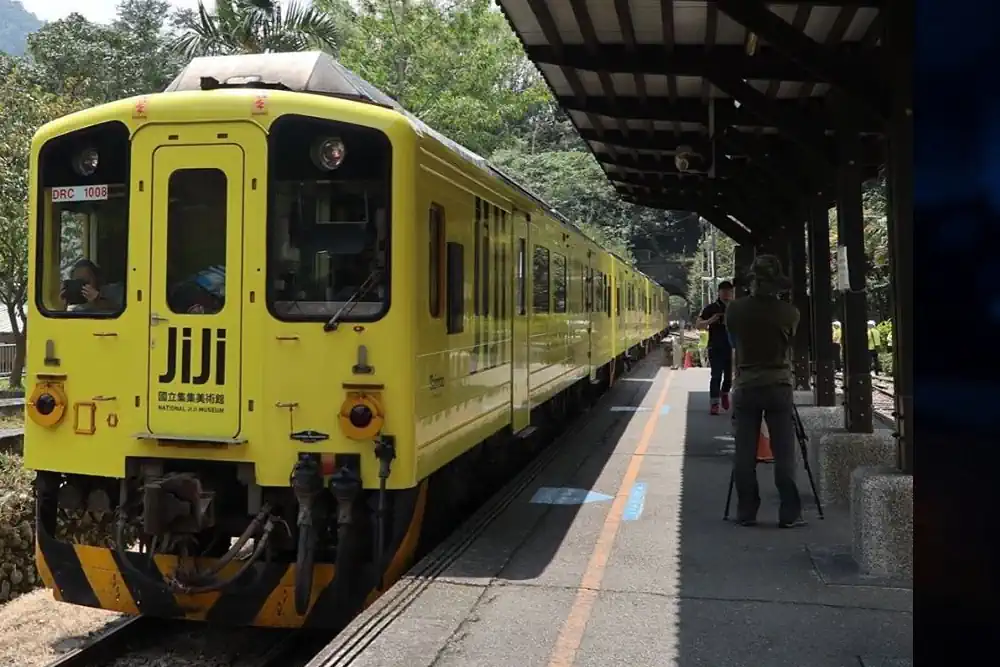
(262, 596)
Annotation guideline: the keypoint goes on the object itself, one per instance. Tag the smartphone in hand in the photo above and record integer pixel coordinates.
(72, 291)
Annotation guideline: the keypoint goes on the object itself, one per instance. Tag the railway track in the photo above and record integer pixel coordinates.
(883, 395)
(149, 642)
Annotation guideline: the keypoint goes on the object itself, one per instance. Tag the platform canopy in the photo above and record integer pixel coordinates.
(723, 107)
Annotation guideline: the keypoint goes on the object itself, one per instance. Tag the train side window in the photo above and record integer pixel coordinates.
(519, 296)
(455, 287)
(435, 275)
(486, 259)
(559, 283)
(503, 286)
(598, 292)
(476, 252)
(540, 280)
(503, 263)
(196, 272)
(496, 262)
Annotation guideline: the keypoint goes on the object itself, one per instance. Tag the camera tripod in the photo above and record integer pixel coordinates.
(800, 435)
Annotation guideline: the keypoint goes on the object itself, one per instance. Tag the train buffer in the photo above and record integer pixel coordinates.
(610, 550)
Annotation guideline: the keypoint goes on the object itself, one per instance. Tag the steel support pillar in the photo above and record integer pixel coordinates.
(797, 272)
(821, 309)
(851, 238)
(898, 43)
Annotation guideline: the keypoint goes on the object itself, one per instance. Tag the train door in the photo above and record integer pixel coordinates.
(519, 325)
(195, 291)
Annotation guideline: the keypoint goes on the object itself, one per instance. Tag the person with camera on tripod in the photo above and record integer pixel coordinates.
(761, 327)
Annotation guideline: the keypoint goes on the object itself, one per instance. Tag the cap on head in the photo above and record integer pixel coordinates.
(871, 323)
(766, 270)
(725, 284)
(836, 323)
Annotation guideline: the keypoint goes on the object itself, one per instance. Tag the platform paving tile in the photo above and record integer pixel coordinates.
(681, 586)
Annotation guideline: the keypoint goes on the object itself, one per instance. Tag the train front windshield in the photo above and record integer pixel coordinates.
(328, 222)
(82, 236)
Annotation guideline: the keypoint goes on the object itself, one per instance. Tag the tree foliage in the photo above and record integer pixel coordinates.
(254, 26)
(24, 106)
(457, 66)
(101, 63)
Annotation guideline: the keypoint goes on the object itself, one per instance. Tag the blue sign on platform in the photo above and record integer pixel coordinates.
(636, 502)
(549, 495)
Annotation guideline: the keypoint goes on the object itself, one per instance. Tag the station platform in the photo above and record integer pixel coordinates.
(611, 550)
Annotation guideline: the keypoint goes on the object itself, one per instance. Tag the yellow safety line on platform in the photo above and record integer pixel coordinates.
(571, 634)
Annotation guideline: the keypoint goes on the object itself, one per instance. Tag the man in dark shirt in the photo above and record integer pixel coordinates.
(761, 327)
(720, 353)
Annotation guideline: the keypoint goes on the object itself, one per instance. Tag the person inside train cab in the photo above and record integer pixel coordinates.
(761, 327)
(203, 293)
(83, 291)
(719, 351)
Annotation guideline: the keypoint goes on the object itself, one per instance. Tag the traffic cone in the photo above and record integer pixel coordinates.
(764, 453)
(688, 361)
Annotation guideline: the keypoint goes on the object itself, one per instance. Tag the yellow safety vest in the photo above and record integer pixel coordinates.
(836, 335)
(874, 341)
(703, 339)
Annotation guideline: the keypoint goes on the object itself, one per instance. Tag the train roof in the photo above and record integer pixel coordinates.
(320, 74)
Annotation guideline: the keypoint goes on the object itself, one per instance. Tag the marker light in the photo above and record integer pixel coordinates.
(328, 154)
(86, 162)
(47, 404)
(361, 416)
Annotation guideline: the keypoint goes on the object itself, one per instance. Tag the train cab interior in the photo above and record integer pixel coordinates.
(83, 234)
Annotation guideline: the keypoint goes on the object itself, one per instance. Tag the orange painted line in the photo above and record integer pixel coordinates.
(571, 634)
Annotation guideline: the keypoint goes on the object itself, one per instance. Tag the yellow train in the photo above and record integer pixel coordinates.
(277, 324)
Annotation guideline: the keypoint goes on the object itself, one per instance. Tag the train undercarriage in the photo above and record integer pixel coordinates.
(201, 540)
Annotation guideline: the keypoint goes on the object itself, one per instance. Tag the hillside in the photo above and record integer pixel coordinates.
(15, 24)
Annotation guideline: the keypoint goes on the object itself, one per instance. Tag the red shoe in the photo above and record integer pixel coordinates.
(715, 409)
(725, 401)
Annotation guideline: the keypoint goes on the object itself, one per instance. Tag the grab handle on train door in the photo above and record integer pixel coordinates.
(155, 319)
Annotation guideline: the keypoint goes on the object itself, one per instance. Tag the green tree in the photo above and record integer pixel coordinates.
(255, 26)
(457, 67)
(24, 106)
(700, 264)
(876, 243)
(84, 60)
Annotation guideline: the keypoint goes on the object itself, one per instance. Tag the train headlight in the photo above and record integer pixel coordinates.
(47, 404)
(329, 153)
(361, 416)
(86, 161)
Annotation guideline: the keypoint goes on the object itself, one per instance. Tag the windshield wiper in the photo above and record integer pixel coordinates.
(346, 309)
